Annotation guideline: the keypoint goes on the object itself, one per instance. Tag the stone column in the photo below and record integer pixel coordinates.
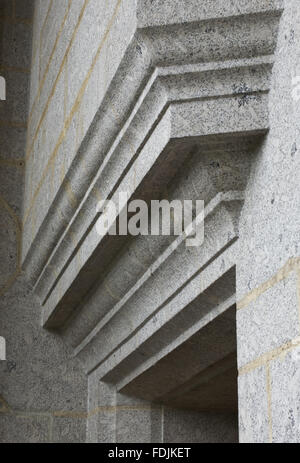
(269, 354)
(268, 322)
(114, 417)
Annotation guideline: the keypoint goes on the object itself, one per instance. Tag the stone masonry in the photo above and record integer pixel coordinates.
(125, 339)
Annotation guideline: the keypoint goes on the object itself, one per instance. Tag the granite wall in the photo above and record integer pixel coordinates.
(175, 99)
(42, 390)
(268, 267)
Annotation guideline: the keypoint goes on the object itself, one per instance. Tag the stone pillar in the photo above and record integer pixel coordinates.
(268, 345)
(114, 417)
(117, 418)
(268, 322)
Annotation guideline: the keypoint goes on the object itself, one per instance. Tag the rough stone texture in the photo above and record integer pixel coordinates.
(123, 419)
(42, 390)
(124, 99)
(19, 429)
(68, 429)
(186, 427)
(285, 385)
(270, 321)
(269, 237)
(15, 41)
(270, 221)
(253, 407)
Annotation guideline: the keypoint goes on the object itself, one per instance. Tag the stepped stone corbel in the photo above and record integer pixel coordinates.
(187, 107)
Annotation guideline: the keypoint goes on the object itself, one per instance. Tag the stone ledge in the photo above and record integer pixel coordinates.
(181, 98)
(88, 351)
(142, 66)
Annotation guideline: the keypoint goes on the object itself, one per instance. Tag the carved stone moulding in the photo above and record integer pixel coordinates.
(187, 106)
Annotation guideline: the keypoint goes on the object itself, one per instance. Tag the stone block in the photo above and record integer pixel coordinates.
(285, 397)
(69, 430)
(188, 427)
(270, 321)
(254, 424)
(24, 429)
